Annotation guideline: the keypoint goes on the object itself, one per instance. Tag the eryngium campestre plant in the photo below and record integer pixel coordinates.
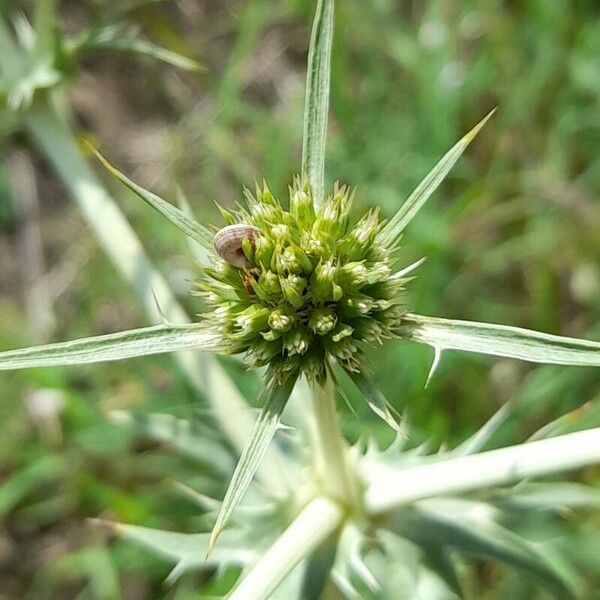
(295, 288)
(299, 290)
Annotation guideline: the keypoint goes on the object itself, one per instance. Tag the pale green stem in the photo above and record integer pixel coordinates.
(53, 136)
(317, 521)
(331, 456)
(390, 488)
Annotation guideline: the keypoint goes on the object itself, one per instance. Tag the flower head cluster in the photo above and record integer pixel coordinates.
(301, 286)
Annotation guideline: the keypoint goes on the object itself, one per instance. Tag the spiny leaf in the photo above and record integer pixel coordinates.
(317, 98)
(377, 402)
(114, 346)
(428, 186)
(185, 550)
(502, 340)
(583, 417)
(274, 399)
(187, 224)
(469, 528)
(478, 441)
(549, 496)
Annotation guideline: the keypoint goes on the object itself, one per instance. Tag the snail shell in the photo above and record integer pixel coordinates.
(228, 243)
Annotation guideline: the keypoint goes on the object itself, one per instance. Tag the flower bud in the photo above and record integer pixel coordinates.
(355, 306)
(263, 251)
(322, 320)
(293, 287)
(252, 320)
(359, 240)
(345, 349)
(280, 319)
(297, 341)
(302, 208)
(341, 331)
(322, 284)
(368, 329)
(352, 275)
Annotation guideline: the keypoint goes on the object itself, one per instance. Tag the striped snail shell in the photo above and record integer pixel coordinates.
(228, 243)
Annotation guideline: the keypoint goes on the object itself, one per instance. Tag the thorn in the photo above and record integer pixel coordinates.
(409, 269)
(437, 355)
(160, 310)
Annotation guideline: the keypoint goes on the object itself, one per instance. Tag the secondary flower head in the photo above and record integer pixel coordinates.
(294, 288)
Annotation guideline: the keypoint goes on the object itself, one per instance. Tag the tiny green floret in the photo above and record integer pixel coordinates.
(303, 286)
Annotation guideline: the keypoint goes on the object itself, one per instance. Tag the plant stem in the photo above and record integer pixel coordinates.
(319, 519)
(331, 458)
(50, 132)
(390, 488)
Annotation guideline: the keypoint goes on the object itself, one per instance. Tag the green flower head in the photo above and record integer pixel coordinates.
(295, 288)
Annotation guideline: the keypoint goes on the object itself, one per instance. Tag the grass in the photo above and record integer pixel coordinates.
(510, 238)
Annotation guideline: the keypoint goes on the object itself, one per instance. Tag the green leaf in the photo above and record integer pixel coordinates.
(114, 346)
(118, 36)
(469, 528)
(501, 340)
(187, 224)
(25, 481)
(377, 402)
(317, 99)
(274, 399)
(187, 551)
(396, 225)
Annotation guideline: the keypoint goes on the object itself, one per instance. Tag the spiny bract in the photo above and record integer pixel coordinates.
(312, 288)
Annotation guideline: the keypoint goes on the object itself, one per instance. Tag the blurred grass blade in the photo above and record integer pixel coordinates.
(377, 402)
(125, 39)
(274, 399)
(502, 340)
(115, 346)
(187, 224)
(317, 99)
(469, 528)
(428, 186)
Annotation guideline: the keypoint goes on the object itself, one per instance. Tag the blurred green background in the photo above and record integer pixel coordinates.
(512, 237)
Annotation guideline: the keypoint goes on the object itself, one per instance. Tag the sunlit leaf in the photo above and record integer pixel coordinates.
(273, 399)
(115, 346)
(428, 186)
(317, 98)
(187, 224)
(501, 340)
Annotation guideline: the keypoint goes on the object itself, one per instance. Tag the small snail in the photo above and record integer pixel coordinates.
(228, 243)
